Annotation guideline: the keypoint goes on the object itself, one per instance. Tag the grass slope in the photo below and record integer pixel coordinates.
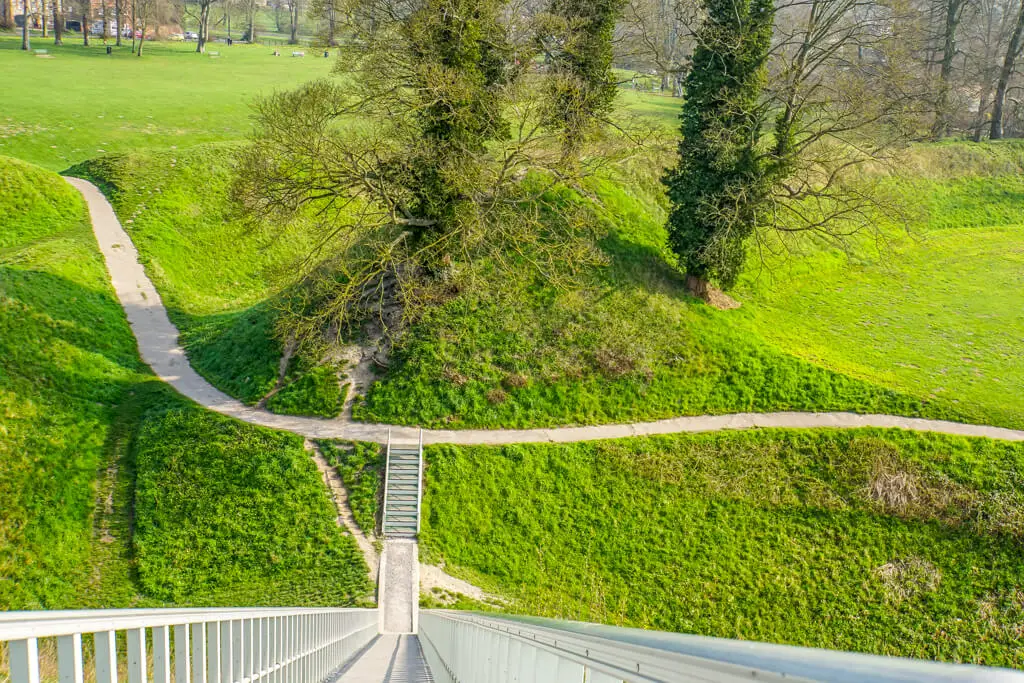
(81, 422)
(941, 314)
(214, 276)
(67, 359)
(514, 353)
(217, 525)
(872, 541)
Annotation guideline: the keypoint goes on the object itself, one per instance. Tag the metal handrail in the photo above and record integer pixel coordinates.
(419, 486)
(387, 477)
(458, 645)
(235, 645)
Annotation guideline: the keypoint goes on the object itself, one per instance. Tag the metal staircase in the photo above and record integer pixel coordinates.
(403, 482)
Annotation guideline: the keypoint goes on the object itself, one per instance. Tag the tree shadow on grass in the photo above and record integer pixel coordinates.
(42, 308)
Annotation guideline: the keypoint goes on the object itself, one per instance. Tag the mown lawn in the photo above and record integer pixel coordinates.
(77, 103)
(872, 541)
(223, 513)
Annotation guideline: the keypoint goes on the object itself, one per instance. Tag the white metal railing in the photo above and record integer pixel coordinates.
(387, 481)
(190, 645)
(419, 486)
(464, 647)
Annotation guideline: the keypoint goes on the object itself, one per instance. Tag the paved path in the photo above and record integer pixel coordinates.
(158, 345)
(399, 592)
(390, 659)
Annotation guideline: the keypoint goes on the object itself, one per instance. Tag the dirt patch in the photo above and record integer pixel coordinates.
(892, 487)
(1004, 612)
(709, 294)
(282, 371)
(345, 518)
(907, 578)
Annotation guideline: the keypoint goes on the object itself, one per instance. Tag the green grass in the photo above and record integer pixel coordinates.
(81, 420)
(938, 315)
(216, 525)
(217, 278)
(361, 467)
(78, 103)
(774, 536)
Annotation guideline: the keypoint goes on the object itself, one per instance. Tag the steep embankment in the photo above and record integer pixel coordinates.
(867, 540)
(116, 490)
(624, 344)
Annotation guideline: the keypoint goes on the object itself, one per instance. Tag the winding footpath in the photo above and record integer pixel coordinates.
(158, 345)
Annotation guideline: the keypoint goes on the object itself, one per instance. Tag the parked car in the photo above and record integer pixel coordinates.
(191, 35)
(175, 37)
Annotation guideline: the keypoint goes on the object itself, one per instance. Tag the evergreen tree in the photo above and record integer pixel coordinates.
(719, 187)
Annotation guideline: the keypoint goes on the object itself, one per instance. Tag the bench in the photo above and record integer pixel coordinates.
(298, 53)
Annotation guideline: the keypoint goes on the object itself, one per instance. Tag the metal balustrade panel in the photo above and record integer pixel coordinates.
(189, 645)
(463, 647)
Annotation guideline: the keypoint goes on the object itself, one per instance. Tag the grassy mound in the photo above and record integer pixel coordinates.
(627, 344)
(215, 277)
(872, 541)
(67, 359)
(82, 423)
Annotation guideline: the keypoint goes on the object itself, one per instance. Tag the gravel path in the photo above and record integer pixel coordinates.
(158, 346)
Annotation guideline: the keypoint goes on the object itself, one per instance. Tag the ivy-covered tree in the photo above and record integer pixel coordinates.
(576, 38)
(414, 165)
(720, 184)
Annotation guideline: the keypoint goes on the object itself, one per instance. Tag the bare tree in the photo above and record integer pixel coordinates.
(119, 19)
(954, 13)
(24, 26)
(294, 14)
(58, 22)
(330, 14)
(1013, 51)
(656, 33)
(844, 97)
(203, 18)
(249, 6)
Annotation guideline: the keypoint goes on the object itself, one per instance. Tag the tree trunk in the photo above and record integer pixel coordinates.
(954, 10)
(204, 27)
(332, 24)
(142, 39)
(24, 27)
(58, 22)
(251, 30)
(6, 14)
(85, 25)
(1009, 62)
(293, 11)
(42, 16)
(117, 18)
(979, 125)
